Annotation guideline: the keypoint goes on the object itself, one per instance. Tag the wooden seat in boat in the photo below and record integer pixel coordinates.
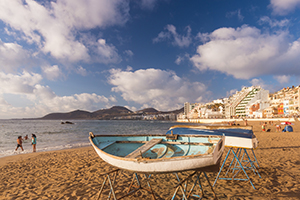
(136, 153)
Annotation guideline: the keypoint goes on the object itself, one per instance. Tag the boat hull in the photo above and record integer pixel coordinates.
(238, 137)
(173, 159)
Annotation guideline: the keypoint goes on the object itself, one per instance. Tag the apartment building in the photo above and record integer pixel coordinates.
(252, 102)
(188, 107)
(240, 104)
(286, 100)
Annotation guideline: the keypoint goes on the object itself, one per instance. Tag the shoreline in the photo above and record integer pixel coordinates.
(23, 156)
(207, 121)
(76, 173)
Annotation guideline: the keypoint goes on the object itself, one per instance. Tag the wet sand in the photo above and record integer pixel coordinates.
(77, 173)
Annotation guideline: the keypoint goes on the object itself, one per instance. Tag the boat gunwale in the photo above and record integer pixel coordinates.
(219, 131)
(146, 160)
(248, 127)
(147, 135)
(171, 142)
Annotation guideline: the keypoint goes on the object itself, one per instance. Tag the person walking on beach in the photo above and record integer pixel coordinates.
(33, 142)
(19, 141)
(278, 128)
(263, 127)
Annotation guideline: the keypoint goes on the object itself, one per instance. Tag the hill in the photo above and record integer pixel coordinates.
(77, 114)
(148, 111)
(115, 111)
(105, 114)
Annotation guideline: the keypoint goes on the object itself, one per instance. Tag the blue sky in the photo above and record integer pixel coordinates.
(64, 55)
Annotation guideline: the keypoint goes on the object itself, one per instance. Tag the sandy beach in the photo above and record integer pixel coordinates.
(77, 173)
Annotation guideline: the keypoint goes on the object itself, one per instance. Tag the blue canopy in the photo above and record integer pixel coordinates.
(287, 128)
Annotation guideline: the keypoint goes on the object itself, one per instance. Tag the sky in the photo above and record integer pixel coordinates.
(65, 55)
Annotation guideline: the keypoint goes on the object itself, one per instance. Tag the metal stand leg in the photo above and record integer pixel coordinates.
(238, 166)
(111, 184)
(251, 162)
(114, 173)
(139, 186)
(238, 152)
(254, 157)
(183, 186)
(221, 167)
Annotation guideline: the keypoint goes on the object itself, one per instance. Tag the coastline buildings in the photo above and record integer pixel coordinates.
(250, 102)
(286, 101)
(188, 107)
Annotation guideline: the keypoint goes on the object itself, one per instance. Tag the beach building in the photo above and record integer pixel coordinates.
(197, 112)
(251, 102)
(286, 106)
(287, 101)
(280, 110)
(233, 102)
(213, 115)
(259, 100)
(240, 109)
(244, 103)
(211, 110)
(189, 109)
(270, 112)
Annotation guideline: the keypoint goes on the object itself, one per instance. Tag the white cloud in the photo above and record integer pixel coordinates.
(45, 102)
(128, 68)
(284, 7)
(182, 58)
(3, 103)
(178, 40)
(82, 71)
(92, 13)
(112, 99)
(54, 27)
(128, 53)
(237, 13)
(12, 56)
(106, 53)
(147, 4)
(272, 22)
(52, 72)
(259, 82)
(282, 79)
(231, 92)
(82, 101)
(179, 59)
(19, 84)
(246, 52)
(42, 100)
(163, 90)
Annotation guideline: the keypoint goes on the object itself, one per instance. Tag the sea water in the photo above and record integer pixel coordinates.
(52, 135)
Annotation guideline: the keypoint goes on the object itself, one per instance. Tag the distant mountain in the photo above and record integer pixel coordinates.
(153, 111)
(148, 111)
(110, 113)
(77, 114)
(105, 114)
(181, 110)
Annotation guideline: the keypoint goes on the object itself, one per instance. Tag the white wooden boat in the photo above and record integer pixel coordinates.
(160, 153)
(235, 136)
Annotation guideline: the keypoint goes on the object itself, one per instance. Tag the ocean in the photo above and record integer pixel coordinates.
(52, 135)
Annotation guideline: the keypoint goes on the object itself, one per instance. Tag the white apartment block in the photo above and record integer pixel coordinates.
(242, 103)
(188, 107)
